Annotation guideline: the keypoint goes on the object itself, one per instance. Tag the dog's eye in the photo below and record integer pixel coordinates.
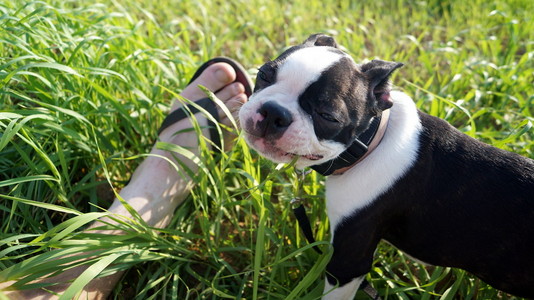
(263, 76)
(266, 74)
(328, 117)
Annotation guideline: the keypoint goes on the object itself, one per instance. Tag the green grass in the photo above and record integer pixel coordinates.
(84, 87)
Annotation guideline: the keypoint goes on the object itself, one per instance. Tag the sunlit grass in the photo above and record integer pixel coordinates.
(84, 87)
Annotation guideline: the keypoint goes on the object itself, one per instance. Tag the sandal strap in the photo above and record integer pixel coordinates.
(241, 73)
(187, 110)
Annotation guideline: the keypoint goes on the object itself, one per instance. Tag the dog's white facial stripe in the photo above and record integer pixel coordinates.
(375, 174)
(296, 73)
(304, 67)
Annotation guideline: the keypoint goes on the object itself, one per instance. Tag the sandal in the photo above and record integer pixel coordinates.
(207, 103)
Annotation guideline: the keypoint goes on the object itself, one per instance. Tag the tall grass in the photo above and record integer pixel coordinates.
(83, 88)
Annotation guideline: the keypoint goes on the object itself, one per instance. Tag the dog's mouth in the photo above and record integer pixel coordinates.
(268, 149)
(306, 156)
(277, 152)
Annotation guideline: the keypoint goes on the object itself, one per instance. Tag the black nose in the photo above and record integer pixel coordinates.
(276, 119)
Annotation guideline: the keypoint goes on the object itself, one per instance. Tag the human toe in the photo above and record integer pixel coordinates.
(233, 104)
(214, 78)
(230, 91)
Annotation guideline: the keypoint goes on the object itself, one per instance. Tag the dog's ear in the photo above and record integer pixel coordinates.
(377, 73)
(320, 39)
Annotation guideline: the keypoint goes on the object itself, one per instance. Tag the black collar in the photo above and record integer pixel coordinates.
(353, 153)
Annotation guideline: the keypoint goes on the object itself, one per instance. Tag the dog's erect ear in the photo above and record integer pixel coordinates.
(320, 39)
(377, 73)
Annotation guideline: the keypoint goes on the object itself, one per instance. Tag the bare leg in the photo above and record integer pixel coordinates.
(155, 189)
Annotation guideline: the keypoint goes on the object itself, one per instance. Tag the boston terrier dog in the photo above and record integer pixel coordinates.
(395, 173)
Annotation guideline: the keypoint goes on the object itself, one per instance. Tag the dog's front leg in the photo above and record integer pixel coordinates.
(354, 246)
(347, 291)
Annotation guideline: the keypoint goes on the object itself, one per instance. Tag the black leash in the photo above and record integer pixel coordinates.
(304, 223)
(300, 214)
(298, 208)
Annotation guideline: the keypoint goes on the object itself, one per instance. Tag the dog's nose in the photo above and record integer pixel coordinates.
(276, 119)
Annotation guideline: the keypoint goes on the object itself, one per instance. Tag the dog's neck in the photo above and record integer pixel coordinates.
(358, 150)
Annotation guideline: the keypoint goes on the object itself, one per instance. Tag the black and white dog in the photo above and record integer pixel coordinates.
(397, 174)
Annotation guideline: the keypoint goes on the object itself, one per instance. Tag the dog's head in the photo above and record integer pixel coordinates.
(313, 101)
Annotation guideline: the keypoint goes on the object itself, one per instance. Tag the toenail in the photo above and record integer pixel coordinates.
(221, 75)
(239, 88)
(241, 98)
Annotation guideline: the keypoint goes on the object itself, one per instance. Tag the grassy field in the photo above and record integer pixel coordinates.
(84, 87)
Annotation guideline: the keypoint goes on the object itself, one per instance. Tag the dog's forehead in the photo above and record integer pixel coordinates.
(310, 60)
(304, 65)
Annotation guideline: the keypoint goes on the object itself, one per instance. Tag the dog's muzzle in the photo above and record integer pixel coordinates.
(273, 122)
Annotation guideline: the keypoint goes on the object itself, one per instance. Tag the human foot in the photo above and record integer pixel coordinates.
(156, 182)
(220, 78)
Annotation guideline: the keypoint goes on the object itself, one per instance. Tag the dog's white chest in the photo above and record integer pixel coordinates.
(379, 171)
